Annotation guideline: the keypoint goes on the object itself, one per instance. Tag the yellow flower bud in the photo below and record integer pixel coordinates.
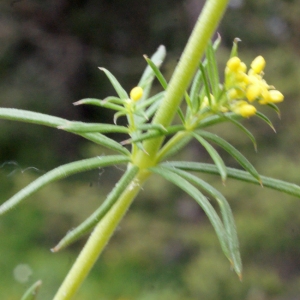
(235, 93)
(241, 76)
(243, 67)
(275, 96)
(244, 109)
(247, 110)
(258, 64)
(253, 91)
(136, 93)
(234, 63)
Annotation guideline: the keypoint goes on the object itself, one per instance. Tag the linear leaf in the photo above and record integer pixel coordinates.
(146, 80)
(266, 119)
(214, 155)
(30, 117)
(168, 151)
(237, 155)
(150, 126)
(157, 72)
(243, 128)
(31, 293)
(275, 184)
(227, 216)
(115, 83)
(195, 89)
(62, 172)
(275, 107)
(81, 127)
(206, 85)
(98, 214)
(151, 110)
(152, 134)
(212, 69)
(201, 200)
(198, 82)
(216, 119)
(151, 100)
(47, 120)
(101, 103)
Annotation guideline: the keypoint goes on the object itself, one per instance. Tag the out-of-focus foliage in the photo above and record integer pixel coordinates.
(165, 248)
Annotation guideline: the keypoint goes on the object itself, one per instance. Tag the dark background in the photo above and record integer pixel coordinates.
(165, 249)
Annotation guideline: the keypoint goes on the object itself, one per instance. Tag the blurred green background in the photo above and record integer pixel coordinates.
(165, 248)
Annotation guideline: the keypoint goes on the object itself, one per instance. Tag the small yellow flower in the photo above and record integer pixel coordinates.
(258, 64)
(234, 64)
(234, 93)
(136, 93)
(275, 96)
(253, 92)
(244, 109)
(247, 110)
(242, 67)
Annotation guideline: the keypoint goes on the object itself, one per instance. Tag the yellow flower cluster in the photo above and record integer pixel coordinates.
(241, 86)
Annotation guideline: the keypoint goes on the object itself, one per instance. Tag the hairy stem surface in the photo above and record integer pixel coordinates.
(98, 240)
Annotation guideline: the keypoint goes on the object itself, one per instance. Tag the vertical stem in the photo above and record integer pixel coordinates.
(206, 25)
(98, 240)
(204, 28)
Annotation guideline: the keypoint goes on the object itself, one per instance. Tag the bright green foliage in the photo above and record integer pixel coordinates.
(208, 102)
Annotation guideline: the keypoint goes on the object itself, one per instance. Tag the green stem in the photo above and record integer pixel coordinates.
(194, 50)
(174, 142)
(205, 27)
(98, 240)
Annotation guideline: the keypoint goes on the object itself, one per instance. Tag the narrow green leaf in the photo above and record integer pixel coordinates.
(164, 154)
(118, 115)
(149, 135)
(101, 103)
(206, 84)
(275, 184)
(30, 117)
(227, 216)
(99, 213)
(201, 200)
(146, 83)
(157, 72)
(243, 128)
(266, 119)
(150, 126)
(188, 100)
(113, 99)
(62, 172)
(216, 119)
(47, 120)
(81, 127)
(157, 58)
(31, 293)
(147, 102)
(195, 90)
(214, 155)
(275, 107)
(102, 140)
(198, 82)
(143, 137)
(115, 83)
(212, 70)
(149, 113)
(237, 155)
(181, 115)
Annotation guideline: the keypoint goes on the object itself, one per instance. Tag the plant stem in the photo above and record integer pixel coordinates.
(98, 240)
(206, 25)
